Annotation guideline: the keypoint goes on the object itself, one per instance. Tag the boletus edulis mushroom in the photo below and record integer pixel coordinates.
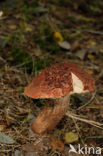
(57, 83)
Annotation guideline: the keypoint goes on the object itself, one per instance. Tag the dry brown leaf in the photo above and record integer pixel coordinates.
(81, 54)
(2, 127)
(71, 137)
(91, 57)
(57, 144)
(28, 28)
(91, 72)
(37, 52)
(65, 45)
(12, 27)
(75, 46)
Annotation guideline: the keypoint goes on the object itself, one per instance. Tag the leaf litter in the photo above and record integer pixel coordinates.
(35, 32)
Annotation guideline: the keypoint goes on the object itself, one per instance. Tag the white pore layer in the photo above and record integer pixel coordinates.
(78, 86)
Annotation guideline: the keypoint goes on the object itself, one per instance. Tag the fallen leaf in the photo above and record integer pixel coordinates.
(58, 37)
(57, 144)
(1, 13)
(71, 137)
(28, 28)
(75, 46)
(37, 52)
(6, 139)
(90, 72)
(81, 54)
(91, 57)
(92, 43)
(64, 45)
(2, 127)
(12, 27)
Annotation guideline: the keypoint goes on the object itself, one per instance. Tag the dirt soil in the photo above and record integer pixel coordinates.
(34, 35)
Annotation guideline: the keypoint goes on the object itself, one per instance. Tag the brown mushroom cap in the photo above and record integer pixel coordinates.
(58, 81)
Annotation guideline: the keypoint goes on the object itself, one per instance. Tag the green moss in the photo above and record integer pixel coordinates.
(40, 103)
(20, 89)
(21, 58)
(6, 40)
(1, 70)
(20, 55)
(95, 7)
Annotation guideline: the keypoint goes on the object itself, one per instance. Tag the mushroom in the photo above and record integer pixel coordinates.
(57, 83)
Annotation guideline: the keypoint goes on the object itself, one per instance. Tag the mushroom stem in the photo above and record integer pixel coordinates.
(50, 116)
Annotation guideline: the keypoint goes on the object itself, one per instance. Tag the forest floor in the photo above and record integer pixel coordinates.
(34, 35)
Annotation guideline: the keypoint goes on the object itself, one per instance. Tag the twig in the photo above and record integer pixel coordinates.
(89, 31)
(78, 130)
(94, 32)
(94, 137)
(22, 64)
(79, 133)
(91, 122)
(5, 151)
(93, 96)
